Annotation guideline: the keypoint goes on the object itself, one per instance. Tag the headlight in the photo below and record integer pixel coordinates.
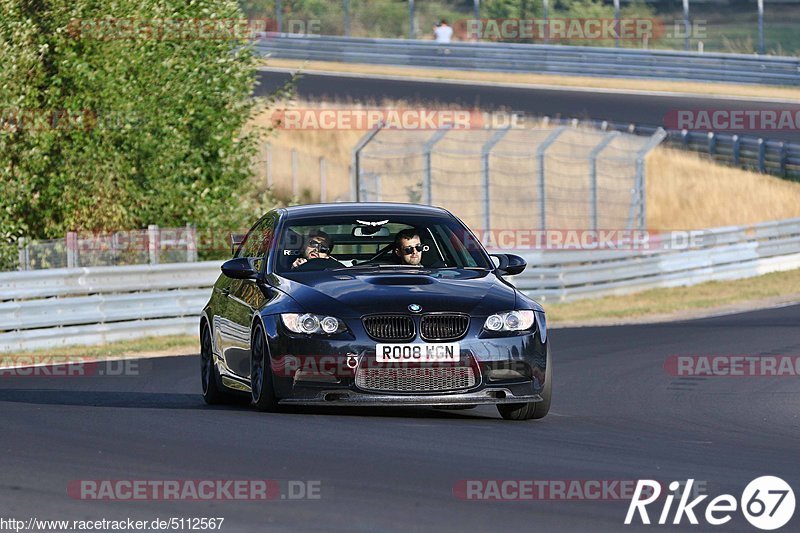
(510, 321)
(309, 323)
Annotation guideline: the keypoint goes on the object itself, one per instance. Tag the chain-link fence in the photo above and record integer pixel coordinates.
(153, 246)
(541, 178)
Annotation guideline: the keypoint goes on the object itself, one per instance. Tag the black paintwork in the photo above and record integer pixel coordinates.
(244, 298)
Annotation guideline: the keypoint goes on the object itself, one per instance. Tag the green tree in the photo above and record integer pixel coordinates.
(104, 127)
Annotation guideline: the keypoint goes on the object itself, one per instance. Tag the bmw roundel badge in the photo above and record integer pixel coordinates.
(415, 308)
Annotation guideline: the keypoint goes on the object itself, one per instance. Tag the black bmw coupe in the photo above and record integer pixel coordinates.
(373, 305)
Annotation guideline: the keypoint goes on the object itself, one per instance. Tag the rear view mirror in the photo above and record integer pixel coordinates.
(509, 264)
(240, 268)
(368, 231)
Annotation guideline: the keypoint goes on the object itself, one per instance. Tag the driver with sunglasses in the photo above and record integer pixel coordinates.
(408, 247)
(318, 245)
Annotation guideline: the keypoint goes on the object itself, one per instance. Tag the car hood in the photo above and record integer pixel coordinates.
(349, 295)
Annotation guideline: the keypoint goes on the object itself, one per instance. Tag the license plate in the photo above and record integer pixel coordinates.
(423, 353)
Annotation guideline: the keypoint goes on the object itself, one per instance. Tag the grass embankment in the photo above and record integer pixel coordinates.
(137, 348)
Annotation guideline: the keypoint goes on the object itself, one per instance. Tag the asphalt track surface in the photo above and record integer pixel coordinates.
(531, 101)
(616, 415)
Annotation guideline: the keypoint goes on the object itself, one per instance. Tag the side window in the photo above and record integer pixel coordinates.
(257, 243)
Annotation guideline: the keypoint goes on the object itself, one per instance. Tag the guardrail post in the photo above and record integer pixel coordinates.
(355, 179)
(485, 154)
(736, 150)
(783, 158)
(323, 180)
(550, 139)
(427, 185)
(762, 155)
(609, 138)
(72, 249)
(712, 144)
(153, 243)
(685, 138)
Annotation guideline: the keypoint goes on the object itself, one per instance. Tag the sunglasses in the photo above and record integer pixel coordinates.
(408, 250)
(319, 246)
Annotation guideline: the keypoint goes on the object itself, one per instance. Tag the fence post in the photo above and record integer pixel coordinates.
(153, 243)
(593, 174)
(269, 165)
(191, 243)
(639, 197)
(346, 23)
(540, 158)
(736, 150)
(485, 154)
(24, 254)
(427, 186)
(323, 178)
(411, 32)
(72, 249)
(355, 178)
(295, 193)
(762, 155)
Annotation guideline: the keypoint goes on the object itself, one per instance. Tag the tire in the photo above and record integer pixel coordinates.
(262, 392)
(532, 410)
(209, 377)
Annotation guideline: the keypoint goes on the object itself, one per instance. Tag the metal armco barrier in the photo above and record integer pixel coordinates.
(58, 307)
(539, 58)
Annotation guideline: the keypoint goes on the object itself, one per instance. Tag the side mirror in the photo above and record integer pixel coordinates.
(236, 240)
(510, 264)
(240, 268)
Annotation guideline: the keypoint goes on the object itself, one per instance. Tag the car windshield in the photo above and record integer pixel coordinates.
(357, 242)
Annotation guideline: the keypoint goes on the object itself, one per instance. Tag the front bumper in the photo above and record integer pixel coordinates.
(310, 370)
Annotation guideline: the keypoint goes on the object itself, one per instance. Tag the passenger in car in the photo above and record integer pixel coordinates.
(318, 245)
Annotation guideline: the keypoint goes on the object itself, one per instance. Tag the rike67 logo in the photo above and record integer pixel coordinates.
(767, 503)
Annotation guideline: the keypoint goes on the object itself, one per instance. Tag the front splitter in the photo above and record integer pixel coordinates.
(344, 398)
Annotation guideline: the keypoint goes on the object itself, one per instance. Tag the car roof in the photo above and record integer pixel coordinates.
(362, 208)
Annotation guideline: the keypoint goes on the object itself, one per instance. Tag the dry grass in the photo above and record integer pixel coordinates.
(720, 89)
(684, 190)
(145, 347)
(681, 300)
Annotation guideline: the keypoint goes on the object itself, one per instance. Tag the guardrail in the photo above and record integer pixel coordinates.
(60, 307)
(48, 308)
(538, 58)
(769, 156)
